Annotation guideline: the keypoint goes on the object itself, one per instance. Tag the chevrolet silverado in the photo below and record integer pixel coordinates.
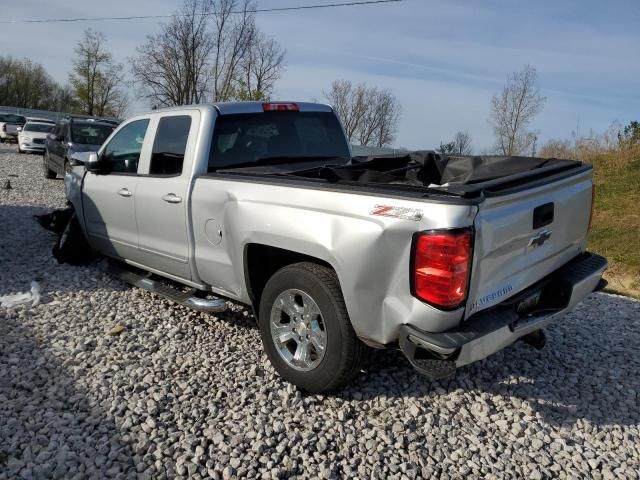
(449, 258)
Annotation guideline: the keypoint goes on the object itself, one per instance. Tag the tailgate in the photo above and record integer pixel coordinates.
(523, 236)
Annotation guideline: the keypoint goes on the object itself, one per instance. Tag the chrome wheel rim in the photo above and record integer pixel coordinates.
(298, 330)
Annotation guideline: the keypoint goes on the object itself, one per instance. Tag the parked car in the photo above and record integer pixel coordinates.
(9, 126)
(33, 135)
(448, 258)
(73, 135)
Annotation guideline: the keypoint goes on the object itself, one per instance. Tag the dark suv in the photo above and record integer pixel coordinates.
(73, 135)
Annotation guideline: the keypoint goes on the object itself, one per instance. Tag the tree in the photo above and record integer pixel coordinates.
(370, 116)
(260, 69)
(630, 134)
(96, 79)
(234, 33)
(512, 111)
(460, 145)
(26, 84)
(211, 50)
(172, 67)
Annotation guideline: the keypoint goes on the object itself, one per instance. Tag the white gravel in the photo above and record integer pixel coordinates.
(179, 393)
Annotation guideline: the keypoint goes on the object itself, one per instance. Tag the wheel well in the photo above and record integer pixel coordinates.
(262, 261)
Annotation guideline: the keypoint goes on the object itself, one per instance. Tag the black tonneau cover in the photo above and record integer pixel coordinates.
(465, 176)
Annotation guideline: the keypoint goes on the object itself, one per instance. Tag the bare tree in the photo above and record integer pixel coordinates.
(370, 116)
(462, 143)
(234, 34)
(172, 67)
(96, 79)
(211, 50)
(260, 69)
(512, 111)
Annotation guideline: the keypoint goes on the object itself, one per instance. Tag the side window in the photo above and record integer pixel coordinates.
(169, 145)
(123, 151)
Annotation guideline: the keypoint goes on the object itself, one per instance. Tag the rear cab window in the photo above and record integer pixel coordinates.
(250, 137)
(90, 133)
(170, 145)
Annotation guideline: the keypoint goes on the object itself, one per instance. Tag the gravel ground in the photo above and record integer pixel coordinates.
(179, 393)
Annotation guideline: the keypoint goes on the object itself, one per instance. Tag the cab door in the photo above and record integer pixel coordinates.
(162, 195)
(109, 198)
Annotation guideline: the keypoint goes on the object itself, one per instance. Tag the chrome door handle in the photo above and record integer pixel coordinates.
(124, 192)
(171, 198)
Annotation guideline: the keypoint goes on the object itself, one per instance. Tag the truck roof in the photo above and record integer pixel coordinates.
(231, 108)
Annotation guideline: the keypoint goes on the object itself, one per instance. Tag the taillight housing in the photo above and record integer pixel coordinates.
(280, 107)
(440, 267)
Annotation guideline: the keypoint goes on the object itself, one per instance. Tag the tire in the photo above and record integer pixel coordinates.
(307, 288)
(48, 173)
(20, 150)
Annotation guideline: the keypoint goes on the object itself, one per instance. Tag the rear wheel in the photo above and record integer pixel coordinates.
(48, 173)
(306, 331)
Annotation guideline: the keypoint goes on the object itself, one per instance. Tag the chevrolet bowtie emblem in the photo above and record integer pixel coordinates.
(540, 238)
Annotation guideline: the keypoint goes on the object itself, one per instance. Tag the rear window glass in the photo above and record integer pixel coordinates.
(10, 118)
(238, 139)
(90, 134)
(169, 145)
(38, 127)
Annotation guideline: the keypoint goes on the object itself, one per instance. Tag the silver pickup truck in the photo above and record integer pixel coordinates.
(448, 258)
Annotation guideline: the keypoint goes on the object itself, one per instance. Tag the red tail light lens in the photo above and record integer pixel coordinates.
(280, 107)
(441, 266)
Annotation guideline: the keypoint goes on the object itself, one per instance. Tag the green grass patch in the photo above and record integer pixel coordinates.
(615, 232)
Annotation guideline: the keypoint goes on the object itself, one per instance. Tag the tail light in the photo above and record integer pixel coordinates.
(593, 206)
(441, 263)
(280, 107)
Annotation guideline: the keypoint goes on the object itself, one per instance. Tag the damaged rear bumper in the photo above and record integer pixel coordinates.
(438, 354)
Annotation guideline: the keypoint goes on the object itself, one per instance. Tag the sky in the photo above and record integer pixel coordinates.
(443, 60)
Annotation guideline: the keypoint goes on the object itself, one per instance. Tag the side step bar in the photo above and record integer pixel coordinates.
(143, 280)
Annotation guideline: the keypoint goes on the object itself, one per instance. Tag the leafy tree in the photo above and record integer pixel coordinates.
(97, 79)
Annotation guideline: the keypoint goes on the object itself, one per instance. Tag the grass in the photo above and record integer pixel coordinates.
(615, 231)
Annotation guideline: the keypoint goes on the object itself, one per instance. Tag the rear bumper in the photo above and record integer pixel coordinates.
(493, 329)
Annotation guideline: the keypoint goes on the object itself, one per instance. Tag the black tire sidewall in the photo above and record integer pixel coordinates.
(295, 277)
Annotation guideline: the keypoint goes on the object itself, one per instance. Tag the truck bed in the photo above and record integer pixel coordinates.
(427, 173)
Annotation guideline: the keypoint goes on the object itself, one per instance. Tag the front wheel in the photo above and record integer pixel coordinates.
(306, 330)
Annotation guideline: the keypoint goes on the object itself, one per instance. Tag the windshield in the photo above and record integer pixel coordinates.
(90, 134)
(252, 137)
(10, 118)
(38, 127)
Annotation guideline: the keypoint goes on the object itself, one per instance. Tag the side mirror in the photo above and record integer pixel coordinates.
(79, 158)
(92, 163)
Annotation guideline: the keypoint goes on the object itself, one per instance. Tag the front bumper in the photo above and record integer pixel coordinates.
(438, 354)
(32, 147)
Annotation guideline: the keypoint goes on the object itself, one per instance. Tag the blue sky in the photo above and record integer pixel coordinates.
(442, 59)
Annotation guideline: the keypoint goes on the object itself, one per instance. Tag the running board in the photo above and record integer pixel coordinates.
(143, 280)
